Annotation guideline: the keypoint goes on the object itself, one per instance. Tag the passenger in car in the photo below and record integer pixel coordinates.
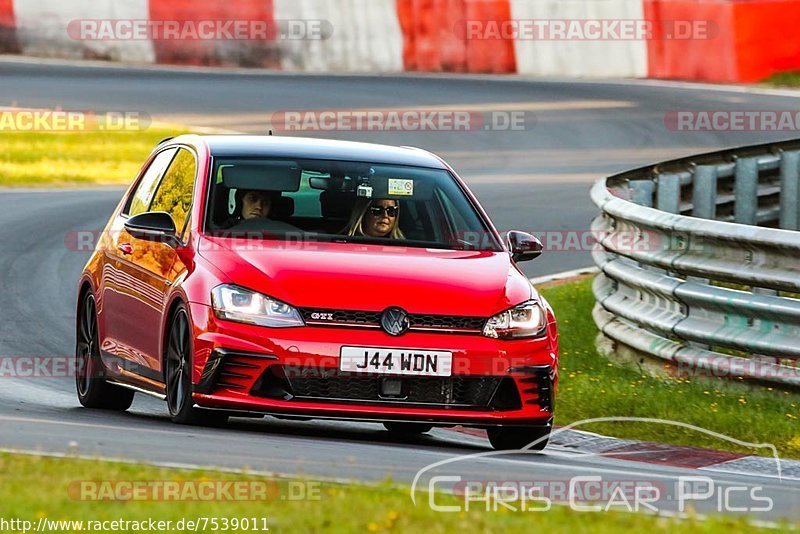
(375, 218)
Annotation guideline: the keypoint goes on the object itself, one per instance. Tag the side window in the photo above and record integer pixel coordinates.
(174, 194)
(141, 198)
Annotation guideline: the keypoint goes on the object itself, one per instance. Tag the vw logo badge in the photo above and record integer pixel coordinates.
(394, 321)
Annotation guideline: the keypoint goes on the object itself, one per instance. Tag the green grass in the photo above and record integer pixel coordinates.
(33, 487)
(590, 386)
(51, 159)
(784, 79)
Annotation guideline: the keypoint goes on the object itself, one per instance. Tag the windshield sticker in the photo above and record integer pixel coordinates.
(399, 186)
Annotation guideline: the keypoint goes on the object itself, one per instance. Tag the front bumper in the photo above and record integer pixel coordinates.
(295, 371)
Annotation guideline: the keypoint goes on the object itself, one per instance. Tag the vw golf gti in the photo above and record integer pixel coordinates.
(308, 278)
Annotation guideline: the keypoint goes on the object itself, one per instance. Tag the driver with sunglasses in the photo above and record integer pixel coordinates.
(375, 217)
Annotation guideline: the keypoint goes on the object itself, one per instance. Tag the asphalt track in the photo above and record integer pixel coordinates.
(535, 179)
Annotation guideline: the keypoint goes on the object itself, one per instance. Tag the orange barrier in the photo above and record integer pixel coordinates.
(490, 55)
(747, 40)
(8, 28)
(711, 59)
(766, 38)
(434, 40)
(428, 44)
(224, 52)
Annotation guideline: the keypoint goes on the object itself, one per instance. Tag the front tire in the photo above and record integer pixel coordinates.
(515, 438)
(93, 390)
(178, 375)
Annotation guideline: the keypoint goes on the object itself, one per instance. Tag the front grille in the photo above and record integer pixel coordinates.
(454, 323)
(322, 316)
(333, 385)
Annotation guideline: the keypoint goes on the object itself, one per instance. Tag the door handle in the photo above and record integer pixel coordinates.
(125, 248)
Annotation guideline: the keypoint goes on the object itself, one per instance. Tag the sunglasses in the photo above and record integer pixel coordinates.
(377, 211)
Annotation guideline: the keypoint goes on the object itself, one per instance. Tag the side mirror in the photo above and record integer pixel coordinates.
(523, 246)
(153, 226)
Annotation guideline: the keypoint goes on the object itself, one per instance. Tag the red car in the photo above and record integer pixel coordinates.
(306, 278)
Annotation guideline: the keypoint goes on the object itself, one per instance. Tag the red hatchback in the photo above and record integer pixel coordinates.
(246, 275)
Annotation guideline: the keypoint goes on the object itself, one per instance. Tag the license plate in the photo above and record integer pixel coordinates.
(396, 361)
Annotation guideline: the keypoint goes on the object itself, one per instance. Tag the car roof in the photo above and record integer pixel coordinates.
(311, 148)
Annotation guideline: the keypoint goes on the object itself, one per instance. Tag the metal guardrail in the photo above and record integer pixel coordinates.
(700, 263)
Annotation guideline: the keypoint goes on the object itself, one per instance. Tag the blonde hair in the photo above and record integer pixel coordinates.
(356, 224)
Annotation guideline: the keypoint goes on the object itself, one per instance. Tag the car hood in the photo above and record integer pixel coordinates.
(351, 276)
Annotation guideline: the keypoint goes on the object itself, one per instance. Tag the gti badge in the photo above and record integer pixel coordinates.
(394, 321)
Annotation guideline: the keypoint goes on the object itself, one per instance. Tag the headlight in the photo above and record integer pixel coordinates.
(529, 319)
(244, 306)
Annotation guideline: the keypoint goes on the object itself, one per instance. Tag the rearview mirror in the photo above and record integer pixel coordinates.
(319, 182)
(153, 226)
(523, 246)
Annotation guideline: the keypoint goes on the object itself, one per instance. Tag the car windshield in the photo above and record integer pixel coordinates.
(340, 201)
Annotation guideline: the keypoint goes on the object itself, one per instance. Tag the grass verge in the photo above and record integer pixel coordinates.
(33, 487)
(590, 386)
(53, 159)
(784, 79)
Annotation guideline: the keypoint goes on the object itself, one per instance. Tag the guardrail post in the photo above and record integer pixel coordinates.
(664, 304)
(746, 191)
(704, 192)
(790, 187)
(669, 193)
(642, 192)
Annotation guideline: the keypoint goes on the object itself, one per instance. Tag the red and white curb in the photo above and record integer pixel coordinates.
(679, 456)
